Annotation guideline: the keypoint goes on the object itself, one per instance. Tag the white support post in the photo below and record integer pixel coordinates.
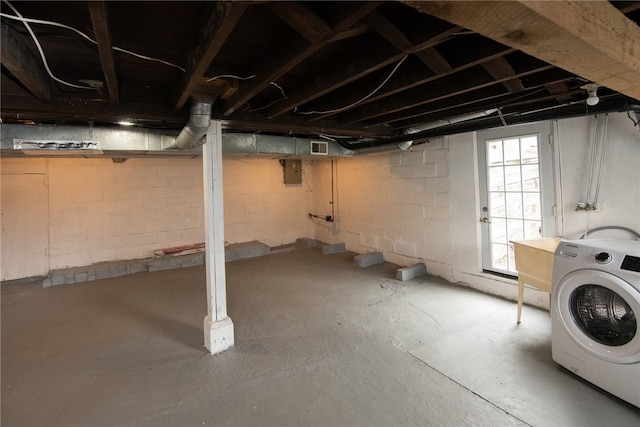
(218, 327)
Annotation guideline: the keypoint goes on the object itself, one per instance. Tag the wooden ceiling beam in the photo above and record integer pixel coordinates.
(292, 56)
(359, 67)
(411, 80)
(500, 69)
(454, 85)
(431, 57)
(100, 21)
(593, 40)
(560, 90)
(481, 100)
(17, 56)
(213, 33)
(300, 18)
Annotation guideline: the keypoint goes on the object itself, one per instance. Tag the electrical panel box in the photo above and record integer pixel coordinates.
(292, 171)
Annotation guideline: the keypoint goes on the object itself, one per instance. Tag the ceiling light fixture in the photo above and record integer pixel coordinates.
(592, 89)
(125, 123)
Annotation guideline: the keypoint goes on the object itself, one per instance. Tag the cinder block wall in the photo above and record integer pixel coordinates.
(259, 206)
(103, 211)
(99, 210)
(396, 203)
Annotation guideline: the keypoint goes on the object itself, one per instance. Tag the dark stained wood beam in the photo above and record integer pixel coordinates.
(560, 90)
(19, 59)
(478, 100)
(75, 109)
(164, 116)
(359, 66)
(430, 56)
(100, 20)
(291, 56)
(213, 33)
(300, 18)
(500, 69)
(554, 31)
(630, 7)
(410, 80)
(449, 87)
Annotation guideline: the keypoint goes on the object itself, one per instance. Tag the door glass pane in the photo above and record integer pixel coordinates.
(530, 149)
(500, 256)
(499, 231)
(531, 206)
(532, 229)
(496, 178)
(494, 153)
(530, 178)
(515, 229)
(498, 207)
(514, 205)
(513, 178)
(512, 151)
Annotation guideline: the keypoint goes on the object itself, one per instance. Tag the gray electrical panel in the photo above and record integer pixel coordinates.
(292, 171)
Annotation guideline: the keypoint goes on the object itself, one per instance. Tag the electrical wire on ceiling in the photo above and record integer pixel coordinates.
(337, 110)
(26, 21)
(39, 47)
(284, 96)
(635, 123)
(230, 76)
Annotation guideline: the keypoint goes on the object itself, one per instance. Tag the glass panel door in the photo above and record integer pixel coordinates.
(511, 192)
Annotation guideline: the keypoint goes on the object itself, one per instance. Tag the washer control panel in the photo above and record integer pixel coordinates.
(631, 263)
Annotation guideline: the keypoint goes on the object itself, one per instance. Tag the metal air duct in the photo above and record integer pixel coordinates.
(195, 128)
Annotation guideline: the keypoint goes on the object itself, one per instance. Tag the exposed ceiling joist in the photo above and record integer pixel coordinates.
(292, 56)
(591, 39)
(306, 23)
(463, 83)
(100, 21)
(409, 81)
(364, 65)
(431, 57)
(213, 33)
(23, 63)
(500, 69)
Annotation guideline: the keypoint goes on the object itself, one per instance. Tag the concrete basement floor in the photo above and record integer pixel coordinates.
(319, 342)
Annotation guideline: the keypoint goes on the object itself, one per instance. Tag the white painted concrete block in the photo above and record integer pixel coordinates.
(368, 259)
(410, 272)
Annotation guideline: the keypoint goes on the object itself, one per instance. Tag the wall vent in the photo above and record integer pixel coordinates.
(319, 148)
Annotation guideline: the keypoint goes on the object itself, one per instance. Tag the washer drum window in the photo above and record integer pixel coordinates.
(603, 315)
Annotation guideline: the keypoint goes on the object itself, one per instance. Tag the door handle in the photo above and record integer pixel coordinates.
(485, 220)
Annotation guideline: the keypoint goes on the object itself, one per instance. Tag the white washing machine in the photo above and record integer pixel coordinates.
(595, 305)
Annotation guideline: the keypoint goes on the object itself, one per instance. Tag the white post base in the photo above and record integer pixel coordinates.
(218, 336)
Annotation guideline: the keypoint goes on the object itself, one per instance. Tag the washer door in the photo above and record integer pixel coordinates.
(599, 312)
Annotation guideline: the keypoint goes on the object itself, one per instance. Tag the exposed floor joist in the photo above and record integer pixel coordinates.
(100, 19)
(214, 31)
(23, 63)
(297, 52)
(608, 53)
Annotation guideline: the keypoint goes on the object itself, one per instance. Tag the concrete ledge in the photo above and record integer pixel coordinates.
(105, 270)
(238, 251)
(366, 260)
(108, 269)
(306, 243)
(408, 273)
(333, 249)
